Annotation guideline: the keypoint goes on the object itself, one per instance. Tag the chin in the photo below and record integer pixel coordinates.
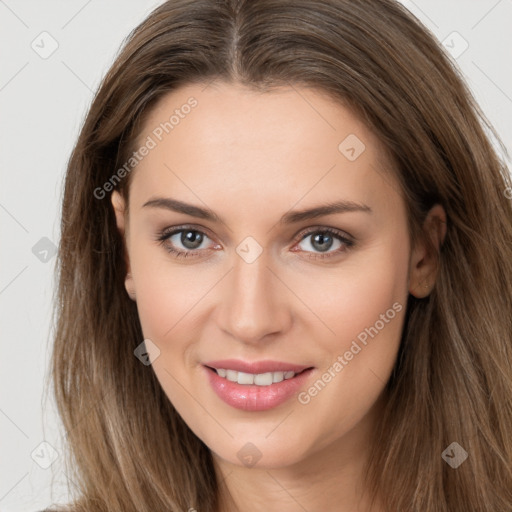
(258, 452)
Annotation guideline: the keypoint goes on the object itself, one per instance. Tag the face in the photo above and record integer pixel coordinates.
(256, 288)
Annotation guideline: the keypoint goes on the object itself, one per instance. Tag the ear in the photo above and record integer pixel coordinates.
(424, 264)
(118, 203)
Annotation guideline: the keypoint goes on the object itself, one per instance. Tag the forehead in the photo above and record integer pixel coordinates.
(287, 145)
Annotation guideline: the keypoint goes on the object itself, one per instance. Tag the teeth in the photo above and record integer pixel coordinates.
(278, 376)
(245, 378)
(263, 379)
(232, 375)
(260, 379)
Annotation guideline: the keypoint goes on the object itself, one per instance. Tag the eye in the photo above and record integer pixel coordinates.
(192, 240)
(324, 239)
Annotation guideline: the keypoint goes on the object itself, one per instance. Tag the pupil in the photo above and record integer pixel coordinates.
(189, 239)
(322, 238)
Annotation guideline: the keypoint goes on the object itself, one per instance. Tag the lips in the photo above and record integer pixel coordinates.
(252, 397)
(257, 366)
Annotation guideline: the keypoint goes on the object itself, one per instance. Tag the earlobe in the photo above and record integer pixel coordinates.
(129, 285)
(424, 263)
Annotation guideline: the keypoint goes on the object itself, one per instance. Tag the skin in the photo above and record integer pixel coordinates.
(251, 157)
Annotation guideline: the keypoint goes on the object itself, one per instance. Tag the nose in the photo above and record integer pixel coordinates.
(255, 303)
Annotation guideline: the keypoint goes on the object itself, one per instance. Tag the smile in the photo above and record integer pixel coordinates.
(259, 379)
(257, 391)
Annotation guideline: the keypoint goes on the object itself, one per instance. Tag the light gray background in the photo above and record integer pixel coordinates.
(42, 103)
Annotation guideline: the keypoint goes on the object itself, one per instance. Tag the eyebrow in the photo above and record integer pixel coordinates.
(291, 217)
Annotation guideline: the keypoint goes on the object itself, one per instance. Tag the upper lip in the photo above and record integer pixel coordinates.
(256, 367)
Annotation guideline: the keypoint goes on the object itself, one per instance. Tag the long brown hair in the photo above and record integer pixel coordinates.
(129, 450)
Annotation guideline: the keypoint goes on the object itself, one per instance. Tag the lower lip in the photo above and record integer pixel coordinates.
(250, 397)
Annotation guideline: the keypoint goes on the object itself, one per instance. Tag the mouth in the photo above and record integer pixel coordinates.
(258, 379)
(268, 385)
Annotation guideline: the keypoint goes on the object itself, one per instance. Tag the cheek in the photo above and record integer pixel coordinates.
(168, 302)
(361, 309)
(168, 299)
(172, 301)
(352, 297)
(366, 310)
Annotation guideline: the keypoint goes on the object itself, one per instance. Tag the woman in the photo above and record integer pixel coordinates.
(285, 270)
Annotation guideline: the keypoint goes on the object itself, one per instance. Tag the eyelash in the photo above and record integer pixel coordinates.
(165, 234)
